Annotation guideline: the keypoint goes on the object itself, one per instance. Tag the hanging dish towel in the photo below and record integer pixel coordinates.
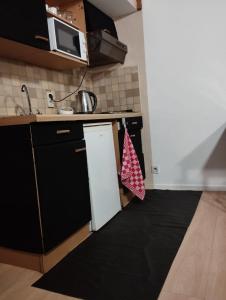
(131, 175)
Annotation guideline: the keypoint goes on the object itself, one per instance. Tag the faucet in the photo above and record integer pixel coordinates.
(25, 89)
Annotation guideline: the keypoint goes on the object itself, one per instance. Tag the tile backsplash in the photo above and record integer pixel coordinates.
(116, 88)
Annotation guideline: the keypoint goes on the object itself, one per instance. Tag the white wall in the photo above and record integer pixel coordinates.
(130, 32)
(185, 50)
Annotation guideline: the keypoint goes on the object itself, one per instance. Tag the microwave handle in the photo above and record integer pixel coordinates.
(42, 38)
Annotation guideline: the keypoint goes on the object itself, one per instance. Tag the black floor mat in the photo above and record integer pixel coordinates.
(129, 258)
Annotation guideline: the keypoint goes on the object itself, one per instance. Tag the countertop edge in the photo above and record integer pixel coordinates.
(22, 120)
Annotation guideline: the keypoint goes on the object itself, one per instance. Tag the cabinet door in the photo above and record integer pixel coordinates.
(63, 190)
(136, 140)
(19, 213)
(24, 22)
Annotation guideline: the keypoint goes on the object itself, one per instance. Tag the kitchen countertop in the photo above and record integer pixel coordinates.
(19, 120)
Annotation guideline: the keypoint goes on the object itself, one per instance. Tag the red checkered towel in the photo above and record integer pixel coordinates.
(131, 175)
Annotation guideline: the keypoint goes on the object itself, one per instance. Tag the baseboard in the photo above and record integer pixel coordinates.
(187, 187)
(21, 259)
(148, 185)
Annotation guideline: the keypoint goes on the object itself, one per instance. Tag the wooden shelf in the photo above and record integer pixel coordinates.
(58, 2)
(49, 14)
(74, 6)
(43, 58)
(139, 4)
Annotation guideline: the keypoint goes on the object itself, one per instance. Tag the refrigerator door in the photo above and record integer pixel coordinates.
(103, 178)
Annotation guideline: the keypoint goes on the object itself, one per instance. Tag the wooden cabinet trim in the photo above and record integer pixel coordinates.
(139, 4)
(43, 263)
(43, 58)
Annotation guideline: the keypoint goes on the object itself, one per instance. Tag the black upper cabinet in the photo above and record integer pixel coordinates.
(25, 22)
(97, 20)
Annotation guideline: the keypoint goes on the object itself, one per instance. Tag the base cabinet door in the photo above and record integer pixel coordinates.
(63, 187)
(19, 211)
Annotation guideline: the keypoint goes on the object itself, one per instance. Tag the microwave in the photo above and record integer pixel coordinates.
(66, 39)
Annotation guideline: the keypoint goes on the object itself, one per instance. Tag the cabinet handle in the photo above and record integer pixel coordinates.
(63, 131)
(132, 135)
(40, 37)
(80, 149)
(134, 123)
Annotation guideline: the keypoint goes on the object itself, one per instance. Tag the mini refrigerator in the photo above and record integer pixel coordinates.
(102, 170)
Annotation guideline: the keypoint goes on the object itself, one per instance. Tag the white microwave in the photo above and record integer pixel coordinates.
(66, 39)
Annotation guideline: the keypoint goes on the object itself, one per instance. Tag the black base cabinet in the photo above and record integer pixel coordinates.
(19, 216)
(44, 185)
(134, 127)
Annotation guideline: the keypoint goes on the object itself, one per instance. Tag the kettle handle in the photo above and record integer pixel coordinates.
(93, 97)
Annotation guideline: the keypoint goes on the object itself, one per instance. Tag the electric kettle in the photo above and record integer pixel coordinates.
(86, 102)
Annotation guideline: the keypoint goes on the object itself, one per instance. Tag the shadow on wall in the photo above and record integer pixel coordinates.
(206, 164)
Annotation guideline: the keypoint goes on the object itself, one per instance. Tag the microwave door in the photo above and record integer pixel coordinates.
(67, 40)
(76, 43)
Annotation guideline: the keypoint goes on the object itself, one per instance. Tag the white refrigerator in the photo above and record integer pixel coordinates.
(102, 170)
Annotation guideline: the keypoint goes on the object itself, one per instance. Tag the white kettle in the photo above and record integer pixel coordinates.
(86, 102)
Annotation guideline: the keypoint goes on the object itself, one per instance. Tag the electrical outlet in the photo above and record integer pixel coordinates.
(155, 170)
(49, 96)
